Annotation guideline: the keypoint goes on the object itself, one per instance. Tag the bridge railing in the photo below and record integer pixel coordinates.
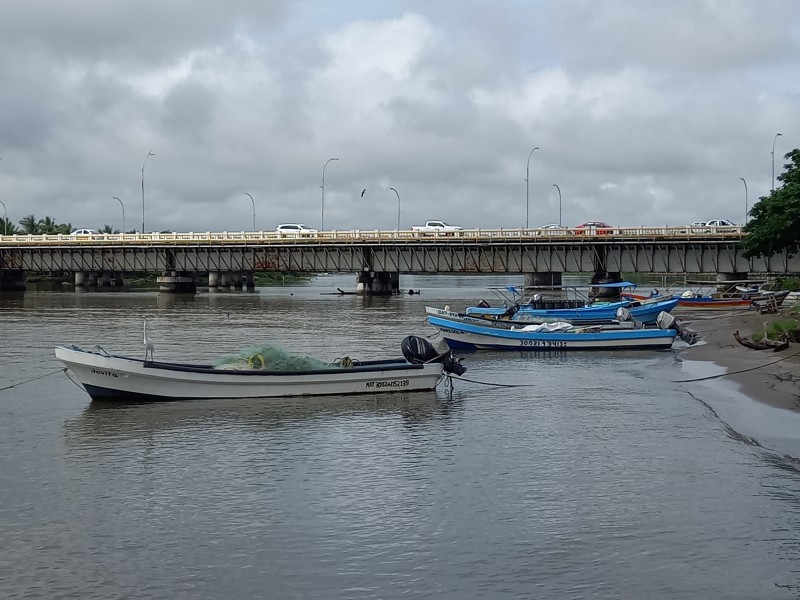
(393, 236)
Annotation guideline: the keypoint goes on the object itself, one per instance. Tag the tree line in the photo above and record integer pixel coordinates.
(30, 225)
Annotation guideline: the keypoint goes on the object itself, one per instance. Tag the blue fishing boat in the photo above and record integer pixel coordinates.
(461, 335)
(519, 308)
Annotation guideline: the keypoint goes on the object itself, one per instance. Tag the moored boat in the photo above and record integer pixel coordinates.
(109, 377)
(548, 336)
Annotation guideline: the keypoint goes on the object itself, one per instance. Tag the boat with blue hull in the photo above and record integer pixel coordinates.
(461, 335)
(641, 310)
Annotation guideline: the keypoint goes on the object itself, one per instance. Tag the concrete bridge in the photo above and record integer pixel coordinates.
(379, 257)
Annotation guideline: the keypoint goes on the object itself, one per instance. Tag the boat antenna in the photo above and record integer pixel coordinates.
(148, 343)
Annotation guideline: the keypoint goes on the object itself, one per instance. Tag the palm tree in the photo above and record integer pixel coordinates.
(48, 226)
(65, 228)
(29, 225)
(107, 229)
(7, 226)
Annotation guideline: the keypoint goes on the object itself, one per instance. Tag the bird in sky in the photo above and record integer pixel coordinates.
(364, 191)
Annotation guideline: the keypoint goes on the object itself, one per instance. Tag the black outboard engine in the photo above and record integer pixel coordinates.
(418, 350)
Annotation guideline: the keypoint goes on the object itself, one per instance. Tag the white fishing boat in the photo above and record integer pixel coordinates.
(108, 377)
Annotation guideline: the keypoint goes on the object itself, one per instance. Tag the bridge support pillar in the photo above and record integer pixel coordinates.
(92, 278)
(119, 278)
(225, 280)
(177, 282)
(250, 281)
(610, 294)
(723, 278)
(378, 283)
(543, 279)
(12, 281)
(80, 278)
(106, 278)
(213, 279)
(237, 280)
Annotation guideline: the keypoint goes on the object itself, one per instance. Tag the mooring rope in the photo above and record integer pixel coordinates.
(736, 372)
(509, 385)
(13, 385)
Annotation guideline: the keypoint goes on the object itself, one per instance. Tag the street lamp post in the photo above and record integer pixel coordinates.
(773, 160)
(528, 185)
(746, 208)
(5, 219)
(559, 203)
(398, 207)
(254, 210)
(149, 154)
(123, 212)
(322, 226)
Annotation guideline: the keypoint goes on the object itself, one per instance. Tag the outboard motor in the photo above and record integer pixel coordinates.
(623, 314)
(418, 350)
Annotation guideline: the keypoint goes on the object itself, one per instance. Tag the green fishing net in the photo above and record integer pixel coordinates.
(269, 358)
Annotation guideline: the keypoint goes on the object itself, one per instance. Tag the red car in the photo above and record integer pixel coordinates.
(595, 228)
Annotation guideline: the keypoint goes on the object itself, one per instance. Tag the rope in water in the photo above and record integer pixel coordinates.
(13, 385)
(736, 372)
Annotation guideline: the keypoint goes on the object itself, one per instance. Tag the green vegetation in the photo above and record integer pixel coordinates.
(787, 283)
(778, 330)
(775, 226)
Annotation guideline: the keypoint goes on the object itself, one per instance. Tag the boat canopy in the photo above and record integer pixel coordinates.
(618, 284)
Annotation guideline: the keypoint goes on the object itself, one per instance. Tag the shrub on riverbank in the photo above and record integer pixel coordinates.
(779, 330)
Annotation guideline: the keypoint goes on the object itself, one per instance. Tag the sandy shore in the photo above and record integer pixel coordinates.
(769, 377)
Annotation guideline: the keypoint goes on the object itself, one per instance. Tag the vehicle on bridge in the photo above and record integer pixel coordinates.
(436, 226)
(294, 228)
(594, 227)
(84, 232)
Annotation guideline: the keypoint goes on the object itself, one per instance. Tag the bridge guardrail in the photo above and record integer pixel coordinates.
(356, 235)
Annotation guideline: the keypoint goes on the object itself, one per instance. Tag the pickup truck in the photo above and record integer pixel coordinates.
(436, 226)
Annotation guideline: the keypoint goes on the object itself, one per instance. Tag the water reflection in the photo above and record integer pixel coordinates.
(114, 420)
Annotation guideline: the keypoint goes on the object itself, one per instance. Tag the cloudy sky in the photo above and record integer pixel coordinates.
(643, 112)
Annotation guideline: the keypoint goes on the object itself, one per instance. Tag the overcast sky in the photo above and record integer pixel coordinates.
(644, 112)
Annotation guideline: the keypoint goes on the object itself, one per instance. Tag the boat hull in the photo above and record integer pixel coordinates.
(646, 312)
(121, 378)
(464, 336)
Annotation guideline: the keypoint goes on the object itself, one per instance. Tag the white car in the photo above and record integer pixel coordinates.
(294, 228)
(547, 229)
(720, 223)
(85, 232)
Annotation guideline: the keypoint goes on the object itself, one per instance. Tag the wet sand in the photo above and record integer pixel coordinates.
(772, 378)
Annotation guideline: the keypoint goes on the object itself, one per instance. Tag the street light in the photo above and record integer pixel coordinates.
(773, 160)
(149, 154)
(254, 210)
(398, 207)
(123, 212)
(527, 185)
(322, 227)
(5, 219)
(559, 203)
(746, 211)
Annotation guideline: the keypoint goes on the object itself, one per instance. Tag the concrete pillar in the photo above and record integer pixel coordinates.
(723, 279)
(543, 279)
(119, 278)
(213, 279)
(106, 279)
(250, 281)
(80, 278)
(237, 280)
(177, 282)
(225, 280)
(377, 283)
(92, 278)
(12, 281)
(606, 294)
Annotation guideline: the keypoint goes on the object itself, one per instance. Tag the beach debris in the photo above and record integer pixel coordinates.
(763, 344)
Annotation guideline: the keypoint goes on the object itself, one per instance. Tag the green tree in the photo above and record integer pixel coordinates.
(48, 226)
(7, 227)
(107, 229)
(65, 228)
(775, 226)
(29, 225)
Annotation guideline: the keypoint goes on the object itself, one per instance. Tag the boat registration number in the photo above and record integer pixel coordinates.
(543, 343)
(397, 383)
(105, 372)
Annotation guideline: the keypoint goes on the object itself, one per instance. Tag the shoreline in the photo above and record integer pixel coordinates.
(769, 381)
